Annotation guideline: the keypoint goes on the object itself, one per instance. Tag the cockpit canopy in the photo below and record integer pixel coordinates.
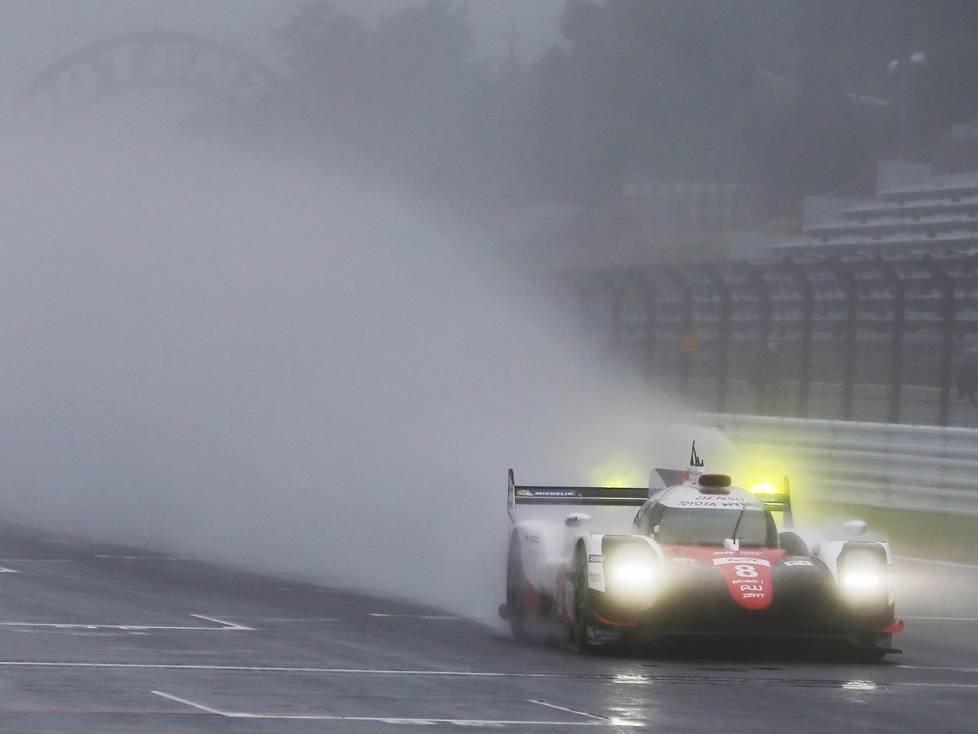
(752, 527)
(685, 526)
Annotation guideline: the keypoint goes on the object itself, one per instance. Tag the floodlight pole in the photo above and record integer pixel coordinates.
(902, 71)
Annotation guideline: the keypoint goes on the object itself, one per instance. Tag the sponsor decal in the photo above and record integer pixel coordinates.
(748, 579)
(728, 559)
(747, 573)
(596, 577)
(712, 501)
(551, 493)
(798, 562)
(595, 558)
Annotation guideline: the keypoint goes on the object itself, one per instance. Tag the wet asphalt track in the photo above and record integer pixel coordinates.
(98, 638)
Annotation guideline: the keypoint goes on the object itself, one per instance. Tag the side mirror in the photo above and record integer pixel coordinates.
(855, 527)
(576, 519)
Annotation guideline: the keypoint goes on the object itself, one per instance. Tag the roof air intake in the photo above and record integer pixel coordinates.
(714, 483)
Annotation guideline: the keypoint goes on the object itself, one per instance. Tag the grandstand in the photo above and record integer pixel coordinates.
(938, 215)
(871, 314)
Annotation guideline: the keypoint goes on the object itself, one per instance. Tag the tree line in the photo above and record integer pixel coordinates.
(788, 96)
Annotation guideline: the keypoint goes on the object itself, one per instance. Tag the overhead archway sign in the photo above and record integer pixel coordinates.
(145, 61)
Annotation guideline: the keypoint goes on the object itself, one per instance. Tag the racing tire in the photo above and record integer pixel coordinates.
(515, 589)
(876, 647)
(583, 611)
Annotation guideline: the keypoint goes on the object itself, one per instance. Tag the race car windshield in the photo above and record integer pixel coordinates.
(709, 527)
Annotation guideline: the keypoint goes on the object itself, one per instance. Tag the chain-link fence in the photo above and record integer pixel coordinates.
(861, 338)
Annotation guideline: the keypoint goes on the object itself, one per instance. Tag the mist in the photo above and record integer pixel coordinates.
(242, 359)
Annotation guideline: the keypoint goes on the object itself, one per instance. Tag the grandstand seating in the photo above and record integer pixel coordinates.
(937, 217)
(872, 314)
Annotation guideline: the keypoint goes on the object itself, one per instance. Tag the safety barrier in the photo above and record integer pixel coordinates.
(904, 467)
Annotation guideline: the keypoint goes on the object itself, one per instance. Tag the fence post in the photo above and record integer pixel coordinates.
(847, 280)
(895, 282)
(723, 343)
(762, 297)
(616, 296)
(807, 292)
(651, 313)
(685, 324)
(945, 286)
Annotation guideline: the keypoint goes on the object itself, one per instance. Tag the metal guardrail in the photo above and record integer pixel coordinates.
(922, 468)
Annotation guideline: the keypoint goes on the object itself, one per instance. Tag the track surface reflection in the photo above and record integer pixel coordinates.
(108, 639)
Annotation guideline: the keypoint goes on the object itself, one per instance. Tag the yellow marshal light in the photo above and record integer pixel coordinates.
(764, 488)
(614, 473)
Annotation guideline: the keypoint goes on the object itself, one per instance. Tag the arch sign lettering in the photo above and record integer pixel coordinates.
(146, 60)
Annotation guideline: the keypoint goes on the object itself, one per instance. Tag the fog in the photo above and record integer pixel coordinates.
(243, 359)
(281, 333)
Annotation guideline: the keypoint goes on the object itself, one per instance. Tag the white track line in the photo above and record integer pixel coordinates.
(40, 560)
(126, 627)
(416, 616)
(276, 669)
(434, 673)
(224, 626)
(929, 685)
(944, 668)
(599, 677)
(140, 558)
(570, 711)
(949, 564)
(405, 721)
(185, 702)
(7, 570)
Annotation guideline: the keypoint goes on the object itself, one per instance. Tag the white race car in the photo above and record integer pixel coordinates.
(690, 555)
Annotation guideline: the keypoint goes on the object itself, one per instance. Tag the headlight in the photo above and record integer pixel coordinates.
(861, 581)
(632, 571)
(863, 577)
(630, 574)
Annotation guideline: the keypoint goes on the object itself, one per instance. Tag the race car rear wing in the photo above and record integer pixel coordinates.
(606, 496)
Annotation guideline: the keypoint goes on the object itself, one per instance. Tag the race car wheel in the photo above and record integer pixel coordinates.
(872, 652)
(515, 589)
(583, 612)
